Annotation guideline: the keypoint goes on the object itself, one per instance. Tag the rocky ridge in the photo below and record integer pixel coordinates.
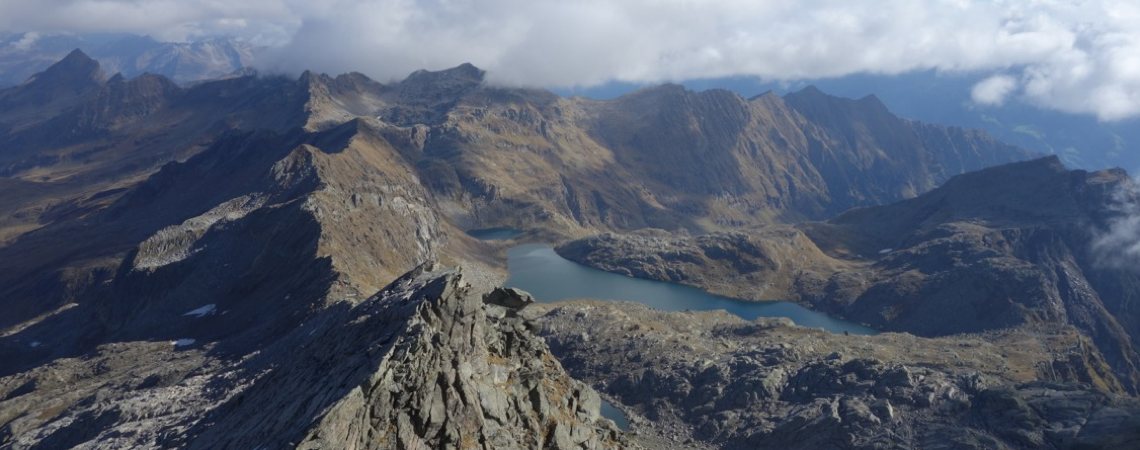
(737, 384)
(429, 362)
(487, 153)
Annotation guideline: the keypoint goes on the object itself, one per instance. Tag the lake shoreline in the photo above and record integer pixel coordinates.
(538, 269)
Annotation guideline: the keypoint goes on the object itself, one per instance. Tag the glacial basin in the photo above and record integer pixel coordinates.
(537, 269)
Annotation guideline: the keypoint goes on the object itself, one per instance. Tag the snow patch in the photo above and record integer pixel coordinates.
(886, 250)
(203, 311)
(184, 342)
(34, 344)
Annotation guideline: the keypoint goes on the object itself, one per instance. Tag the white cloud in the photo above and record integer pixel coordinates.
(993, 91)
(1119, 245)
(1077, 55)
(25, 42)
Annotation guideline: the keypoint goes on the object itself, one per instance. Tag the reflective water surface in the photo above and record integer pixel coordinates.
(610, 412)
(537, 269)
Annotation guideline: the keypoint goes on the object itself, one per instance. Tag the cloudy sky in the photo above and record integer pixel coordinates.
(1076, 56)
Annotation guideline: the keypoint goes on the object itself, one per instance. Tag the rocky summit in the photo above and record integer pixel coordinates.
(428, 362)
(254, 262)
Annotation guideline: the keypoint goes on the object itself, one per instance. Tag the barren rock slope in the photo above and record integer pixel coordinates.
(425, 363)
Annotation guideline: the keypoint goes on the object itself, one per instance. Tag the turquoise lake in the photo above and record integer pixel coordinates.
(537, 269)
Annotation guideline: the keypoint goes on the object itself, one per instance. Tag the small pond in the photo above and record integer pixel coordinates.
(611, 412)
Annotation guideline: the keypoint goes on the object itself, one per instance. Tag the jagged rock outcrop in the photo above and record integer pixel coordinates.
(446, 371)
(425, 363)
(767, 384)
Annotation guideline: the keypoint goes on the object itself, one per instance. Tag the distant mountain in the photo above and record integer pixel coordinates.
(1080, 140)
(663, 157)
(22, 55)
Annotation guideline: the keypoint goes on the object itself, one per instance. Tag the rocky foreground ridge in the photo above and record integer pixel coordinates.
(429, 362)
(711, 377)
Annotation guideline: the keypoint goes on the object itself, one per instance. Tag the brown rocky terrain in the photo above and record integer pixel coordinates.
(195, 265)
(763, 263)
(994, 249)
(663, 157)
(429, 362)
(735, 384)
(380, 174)
(670, 158)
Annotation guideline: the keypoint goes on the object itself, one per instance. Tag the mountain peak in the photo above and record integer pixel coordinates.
(427, 94)
(838, 112)
(76, 56)
(766, 95)
(813, 95)
(872, 100)
(1046, 166)
(1052, 162)
(74, 70)
(810, 90)
(464, 74)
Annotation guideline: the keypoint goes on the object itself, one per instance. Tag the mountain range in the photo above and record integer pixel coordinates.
(247, 261)
(25, 54)
(1081, 141)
